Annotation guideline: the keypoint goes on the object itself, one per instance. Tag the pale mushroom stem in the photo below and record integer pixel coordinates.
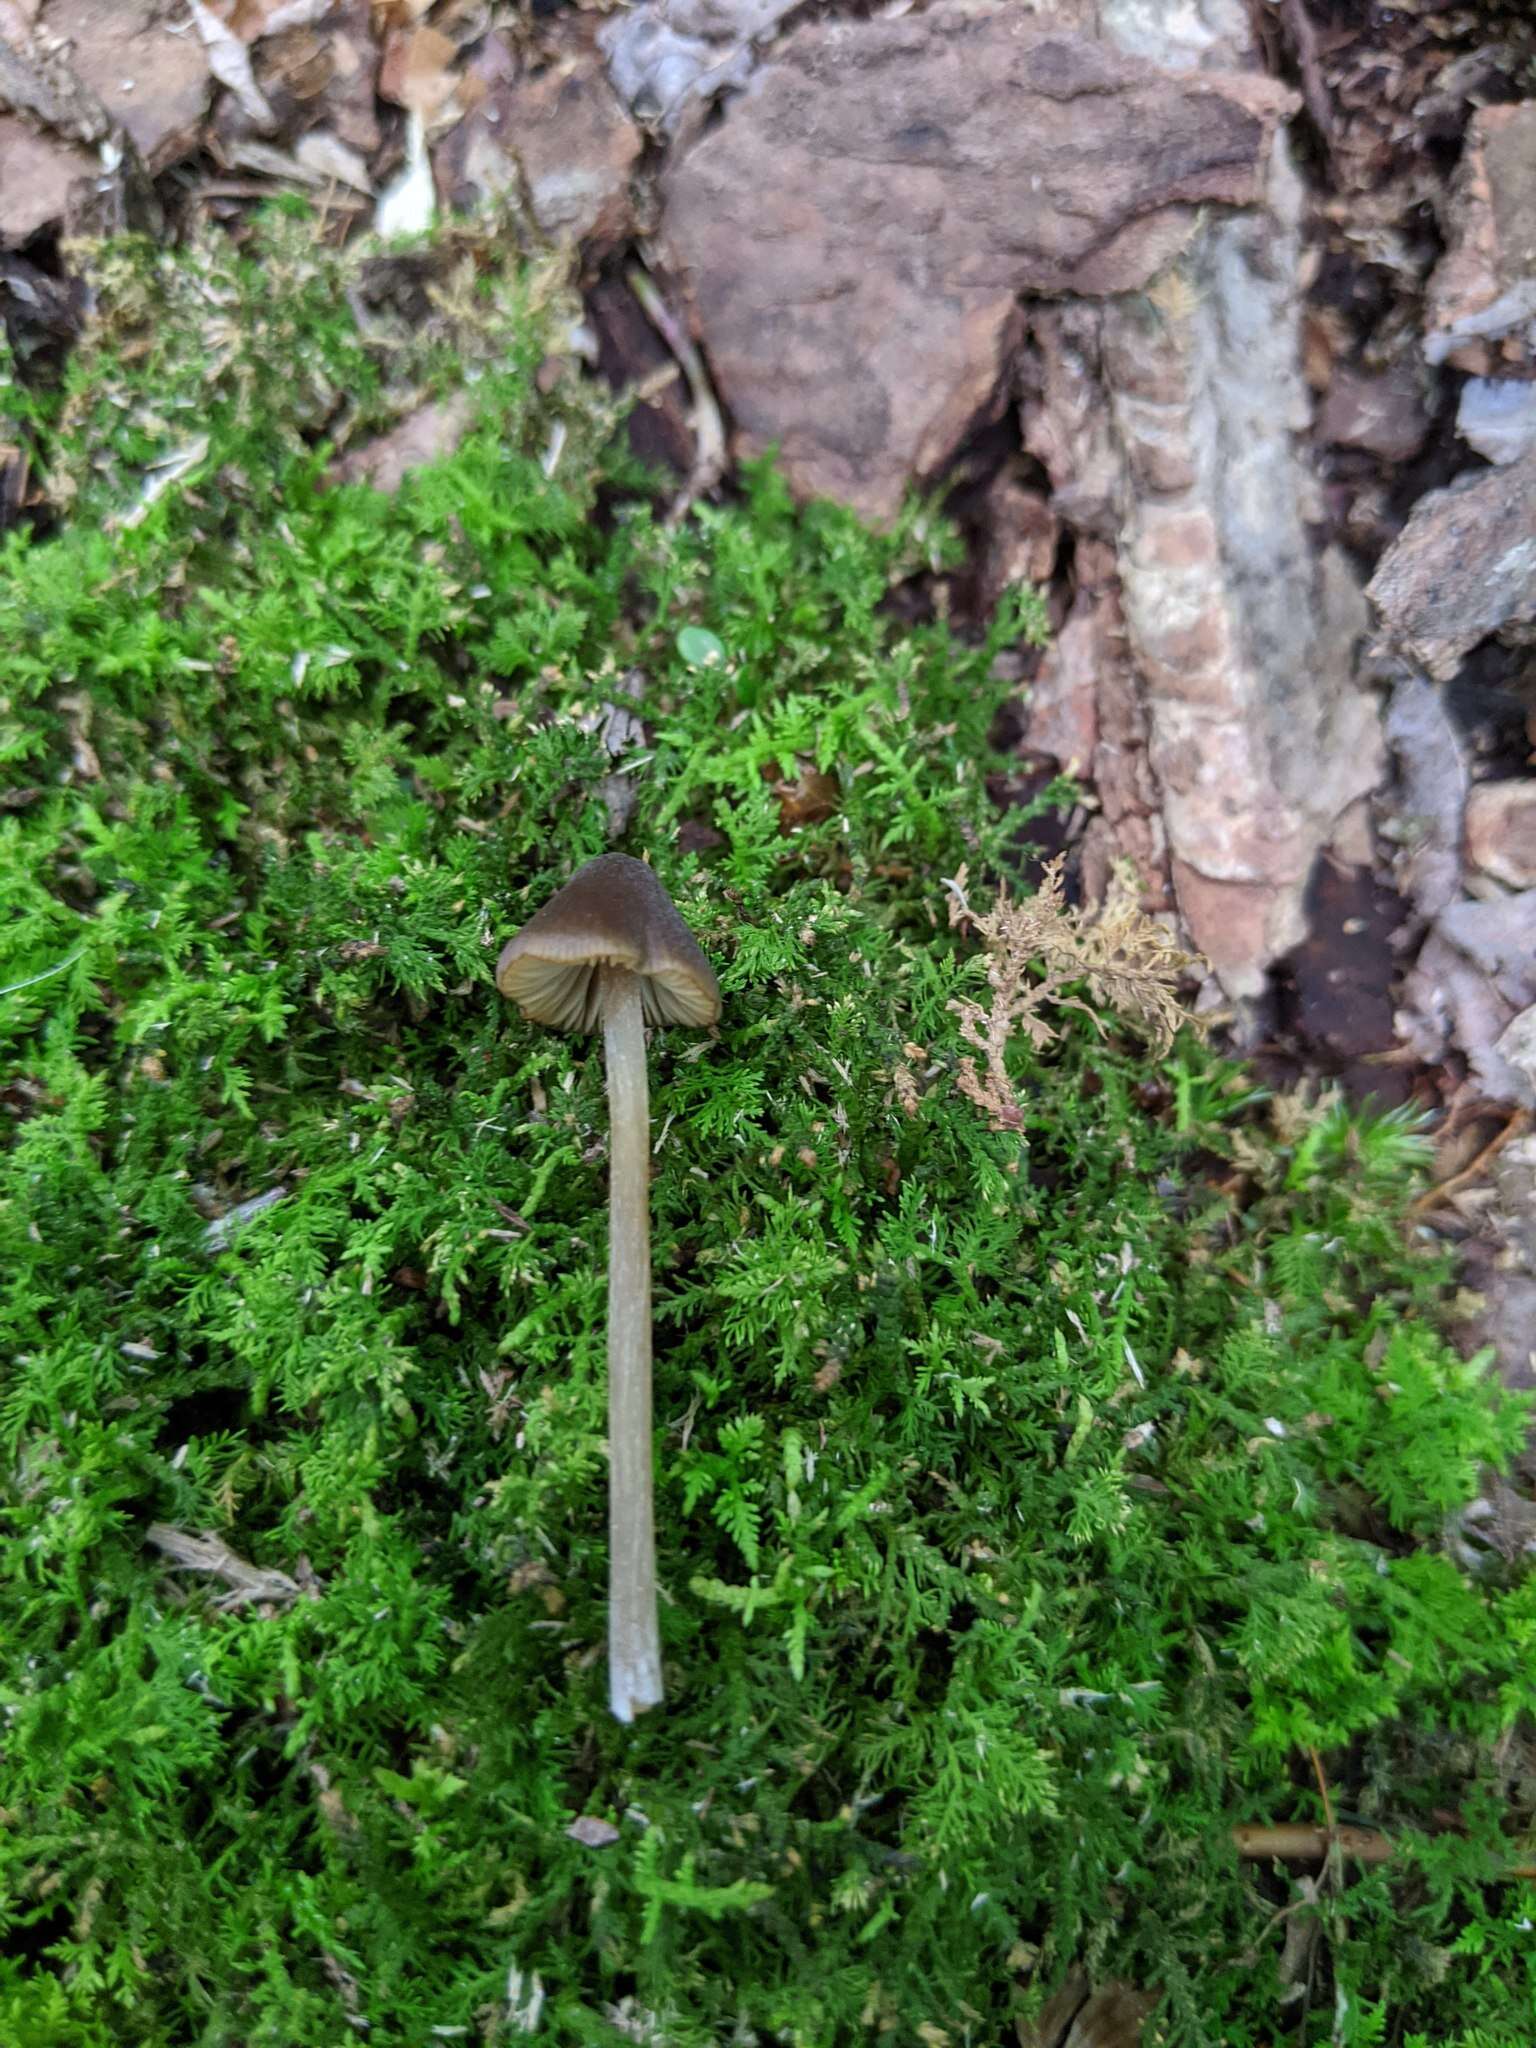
(634, 1640)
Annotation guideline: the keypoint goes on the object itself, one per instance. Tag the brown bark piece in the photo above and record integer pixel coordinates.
(155, 83)
(1259, 736)
(1022, 536)
(1463, 567)
(1474, 977)
(1064, 696)
(559, 131)
(36, 173)
(1485, 286)
(36, 78)
(1501, 831)
(1066, 423)
(1382, 412)
(858, 229)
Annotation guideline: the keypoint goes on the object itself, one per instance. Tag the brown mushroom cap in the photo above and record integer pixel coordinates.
(611, 913)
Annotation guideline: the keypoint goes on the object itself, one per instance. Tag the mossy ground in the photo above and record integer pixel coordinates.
(1035, 1504)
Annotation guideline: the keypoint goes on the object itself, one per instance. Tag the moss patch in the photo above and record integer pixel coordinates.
(1035, 1502)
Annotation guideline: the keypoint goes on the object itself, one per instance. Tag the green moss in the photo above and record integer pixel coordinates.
(1031, 1502)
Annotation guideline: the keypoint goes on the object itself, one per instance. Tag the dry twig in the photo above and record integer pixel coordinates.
(709, 459)
(1305, 1842)
(209, 1553)
(1432, 1198)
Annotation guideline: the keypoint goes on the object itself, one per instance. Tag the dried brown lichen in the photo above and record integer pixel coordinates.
(1041, 949)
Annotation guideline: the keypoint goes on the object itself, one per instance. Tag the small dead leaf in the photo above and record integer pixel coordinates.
(230, 62)
(295, 66)
(812, 797)
(426, 435)
(245, 153)
(293, 14)
(170, 469)
(327, 156)
(593, 1833)
(221, 1231)
(618, 798)
(616, 726)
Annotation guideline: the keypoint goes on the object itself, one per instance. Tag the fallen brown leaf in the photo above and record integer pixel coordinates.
(811, 797)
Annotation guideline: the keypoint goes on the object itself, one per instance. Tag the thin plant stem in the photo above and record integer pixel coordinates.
(634, 1641)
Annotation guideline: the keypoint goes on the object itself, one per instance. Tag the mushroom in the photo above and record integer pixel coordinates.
(610, 949)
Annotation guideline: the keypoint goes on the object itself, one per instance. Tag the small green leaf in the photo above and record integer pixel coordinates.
(700, 648)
